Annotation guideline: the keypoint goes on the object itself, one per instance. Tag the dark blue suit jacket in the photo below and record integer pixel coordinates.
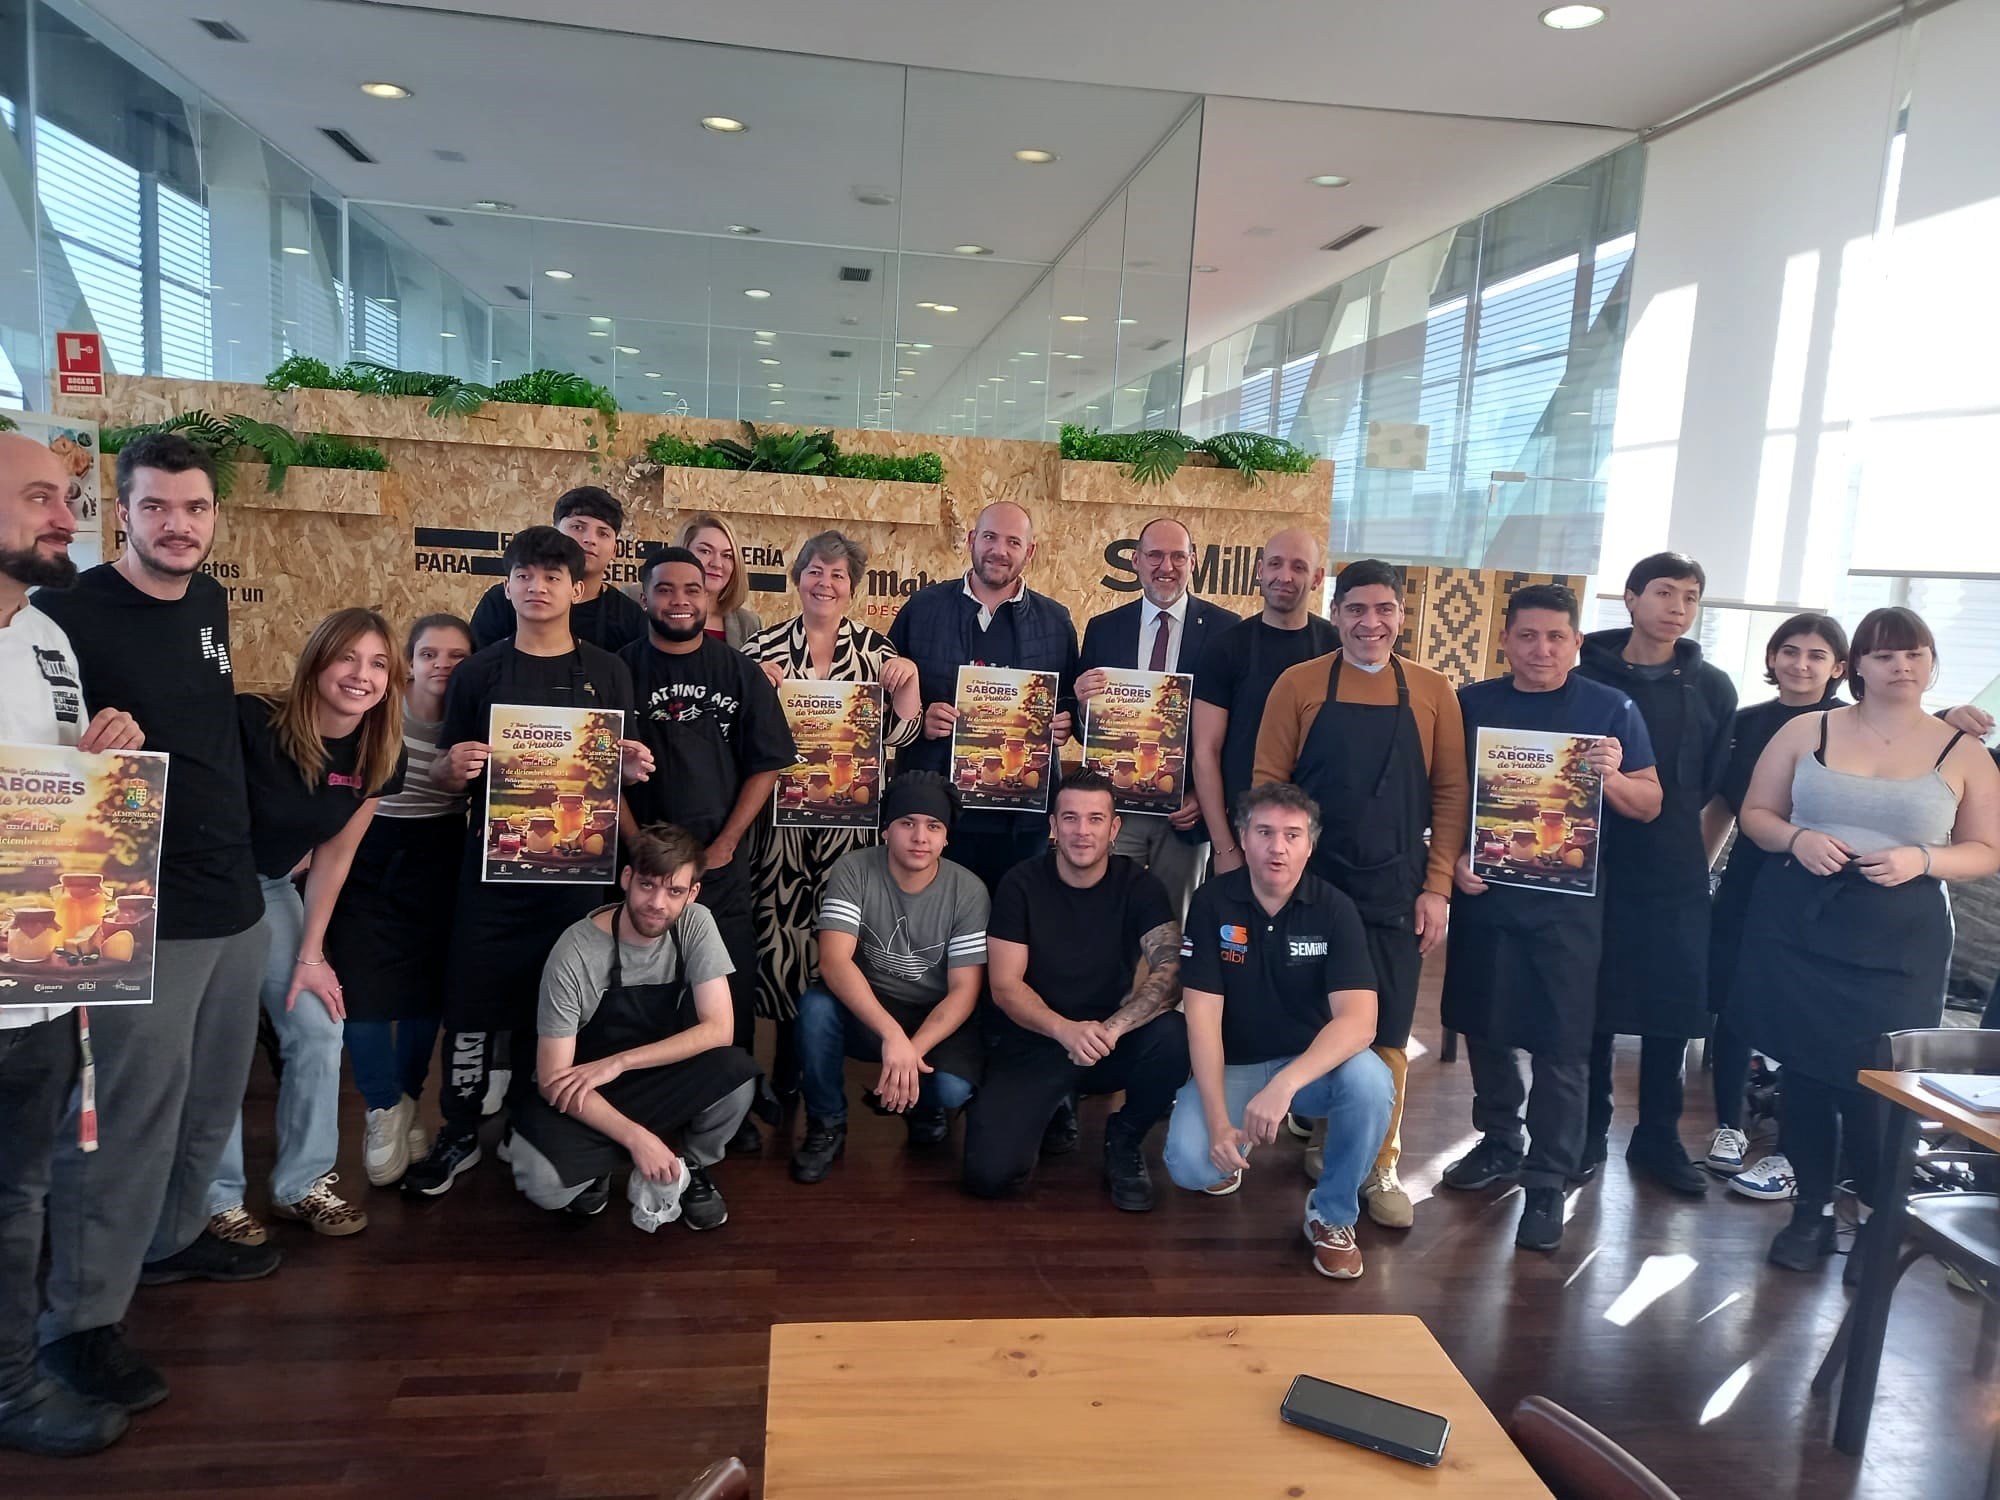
(1112, 640)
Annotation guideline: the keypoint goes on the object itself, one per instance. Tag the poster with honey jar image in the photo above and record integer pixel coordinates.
(1537, 807)
(79, 868)
(1003, 743)
(1135, 733)
(837, 782)
(552, 795)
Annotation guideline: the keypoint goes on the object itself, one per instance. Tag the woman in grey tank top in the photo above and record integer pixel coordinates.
(1871, 808)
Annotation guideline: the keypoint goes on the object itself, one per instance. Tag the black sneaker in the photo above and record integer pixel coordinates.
(212, 1258)
(746, 1141)
(927, 1127)
(51, 1419)
(1665, 1160)
(449, 1155)
(1125, 1171)
(1485, 1164)
(1059, 1135)
(701, 1201)
(592, 1201)
(1541, 1226)
(1803, 1243)
(818, 1151)
(1596, 1151)
(99, 1364)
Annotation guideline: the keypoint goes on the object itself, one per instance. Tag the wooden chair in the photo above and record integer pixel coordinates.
(1575, 1460)
(726, 1480)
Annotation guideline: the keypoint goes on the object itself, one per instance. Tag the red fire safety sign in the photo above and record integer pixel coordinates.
(79, 364)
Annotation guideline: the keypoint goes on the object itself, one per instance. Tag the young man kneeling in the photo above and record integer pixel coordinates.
(635, 1026)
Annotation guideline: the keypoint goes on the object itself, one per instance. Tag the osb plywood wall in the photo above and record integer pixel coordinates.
(458, 488)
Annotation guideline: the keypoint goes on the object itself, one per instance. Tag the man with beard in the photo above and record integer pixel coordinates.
(1166, 630)
(604, 616)
(990, 618)
(41, 703)
(151, 633)
(1237, 673)
(716, 729)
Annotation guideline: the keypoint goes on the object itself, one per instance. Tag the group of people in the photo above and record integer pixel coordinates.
(1242, 966)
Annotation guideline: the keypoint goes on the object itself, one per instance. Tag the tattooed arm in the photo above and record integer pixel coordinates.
(1161, 986)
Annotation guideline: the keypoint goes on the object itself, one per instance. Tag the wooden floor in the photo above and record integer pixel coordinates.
(475, 1346)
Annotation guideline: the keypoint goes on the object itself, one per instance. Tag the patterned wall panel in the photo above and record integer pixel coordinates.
(1457, 622)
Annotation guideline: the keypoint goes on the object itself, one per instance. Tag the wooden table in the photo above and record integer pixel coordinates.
(1884, 1241)
(1082, 1407)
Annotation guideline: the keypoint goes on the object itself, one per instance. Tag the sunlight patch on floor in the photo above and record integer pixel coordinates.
(1658, 1276)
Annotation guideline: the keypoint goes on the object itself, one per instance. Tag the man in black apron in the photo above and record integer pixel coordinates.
(713, 722)
(1521, 964)
(1653, 982)
(633, 1045)
(1377, 741)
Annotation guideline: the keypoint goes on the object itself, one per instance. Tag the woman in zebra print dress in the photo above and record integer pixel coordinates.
(820, 642)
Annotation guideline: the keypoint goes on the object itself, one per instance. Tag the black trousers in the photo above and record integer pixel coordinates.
(37, 1069)
(729, 895)
(1556, 1109)
(1729, 1061)
(1816, 1120)
(1662, 1093)
(1028, 1077)
(468, 1057)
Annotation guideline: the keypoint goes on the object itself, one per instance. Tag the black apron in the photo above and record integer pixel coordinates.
(661, 1099)
(1653, 885)
(502, 934)
(391, 929)
(1363, 763)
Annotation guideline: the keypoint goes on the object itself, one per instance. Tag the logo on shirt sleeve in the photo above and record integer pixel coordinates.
(1235, 943)
(65, 692)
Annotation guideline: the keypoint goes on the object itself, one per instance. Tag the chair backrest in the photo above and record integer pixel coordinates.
(725, 1480)
(1945, 1049)
(1575, 1460)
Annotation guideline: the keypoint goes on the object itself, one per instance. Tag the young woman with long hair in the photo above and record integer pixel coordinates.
(317, 758)
(709, 538)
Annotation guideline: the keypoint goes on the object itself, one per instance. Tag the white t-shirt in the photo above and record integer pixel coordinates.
(41, 703)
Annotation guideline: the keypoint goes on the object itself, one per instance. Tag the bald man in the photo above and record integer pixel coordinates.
(1238, 671)
(989, 617)
(41, 703)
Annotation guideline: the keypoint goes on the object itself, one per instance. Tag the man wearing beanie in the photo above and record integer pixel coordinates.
(902, 953)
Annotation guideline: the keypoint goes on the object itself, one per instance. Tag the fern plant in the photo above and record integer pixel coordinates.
(235, 439)
(1155, 456)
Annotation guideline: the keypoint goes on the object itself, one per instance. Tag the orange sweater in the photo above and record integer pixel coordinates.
(1295, 702)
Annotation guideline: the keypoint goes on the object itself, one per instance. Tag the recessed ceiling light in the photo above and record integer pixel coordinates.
(626, 348)
(656, 375)
(906, 372)
(1206, 270)
(744, 229)
(601, 322)
(555, 274)
(1126, 322)
(600, 333)
(1034, 156)
(494, 205)
(1328, 179)
(774, 386)
(762, 333)
(970, 250)
(944, 307)
(1006, 400)
(779, 402)
(997, 379)
(297, 250)
(927, 304)
(1072, 356)
(379, 90)
(1573, 17)
(757, 293)
(1038, 382)
(1072, 317)
(1031, 354)
(723, 125)
(920, 346)
(446, 333)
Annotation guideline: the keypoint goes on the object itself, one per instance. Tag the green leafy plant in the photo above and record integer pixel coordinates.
(793, 452)
(236, 439)
(556, 388)
(448, 395)
(7, 423)
(911, 468)
(322, 450)
(302, 371)
(680, 453)
(1154, 457)
(797, 452)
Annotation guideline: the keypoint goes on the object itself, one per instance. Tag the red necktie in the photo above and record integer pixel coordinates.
(1159, 661)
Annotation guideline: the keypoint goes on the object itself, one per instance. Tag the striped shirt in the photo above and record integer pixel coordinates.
(420, 797)
(906, 943)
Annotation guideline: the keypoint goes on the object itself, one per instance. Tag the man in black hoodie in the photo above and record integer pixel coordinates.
(1653, 981)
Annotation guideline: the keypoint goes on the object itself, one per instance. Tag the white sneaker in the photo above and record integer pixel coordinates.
(386, 1156)
(1726, 1151)
(1770, 1179)
(497, 1082)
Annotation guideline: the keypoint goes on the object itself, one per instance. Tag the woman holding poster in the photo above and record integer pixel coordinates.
(819, 644)
(317, 758)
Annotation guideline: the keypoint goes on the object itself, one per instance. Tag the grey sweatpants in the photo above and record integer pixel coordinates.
(703, 1143)
(170, 1079)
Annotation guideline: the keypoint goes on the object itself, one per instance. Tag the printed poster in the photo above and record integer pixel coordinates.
(79, 869)
(74, 442)
(837, 782)
(1536, 811)
(1003, 743)
(1136, 733)
(552, 795)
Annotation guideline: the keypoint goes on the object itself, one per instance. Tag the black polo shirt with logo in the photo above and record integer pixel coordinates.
(1273, 972)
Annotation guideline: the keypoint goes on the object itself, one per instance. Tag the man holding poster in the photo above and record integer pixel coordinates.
(1521, 970)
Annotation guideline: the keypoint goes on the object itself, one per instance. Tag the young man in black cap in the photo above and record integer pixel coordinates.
(902, 952)
(606, 617)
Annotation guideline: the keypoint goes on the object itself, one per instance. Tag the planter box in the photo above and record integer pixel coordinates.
(1200, 484)
(497, 424)
(342, 492)
(806, 497)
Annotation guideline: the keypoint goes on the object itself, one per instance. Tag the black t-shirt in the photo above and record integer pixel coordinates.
(1238, 671)
(289, 819)
(1082, 942)
(584, 678)
(166, 663)
(711, 719)
(611, 621)
(1273, 972)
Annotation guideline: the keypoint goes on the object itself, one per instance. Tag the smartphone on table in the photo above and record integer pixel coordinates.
(1371, 1422)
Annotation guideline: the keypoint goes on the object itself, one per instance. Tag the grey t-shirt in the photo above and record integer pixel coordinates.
(579, 966)
(906, 944)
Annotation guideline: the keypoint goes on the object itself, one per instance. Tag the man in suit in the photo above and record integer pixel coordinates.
(1165, 630)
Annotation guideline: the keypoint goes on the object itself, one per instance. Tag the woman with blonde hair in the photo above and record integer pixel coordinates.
(316, 758)
(709, 538)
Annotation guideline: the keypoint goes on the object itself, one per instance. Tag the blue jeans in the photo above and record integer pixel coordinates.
(309, 1039)
(1355, 1099)
(828, 1034)
(391, 1059)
